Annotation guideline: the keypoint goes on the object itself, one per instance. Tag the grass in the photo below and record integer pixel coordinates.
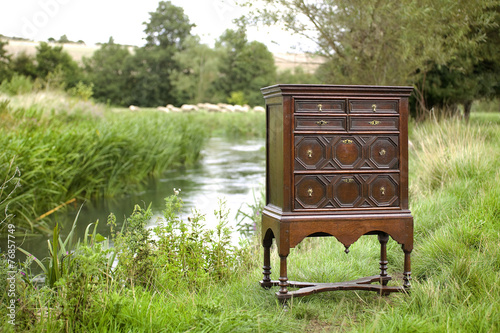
(455, 200)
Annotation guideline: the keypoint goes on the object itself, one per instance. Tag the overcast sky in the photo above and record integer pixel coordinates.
(95, 21)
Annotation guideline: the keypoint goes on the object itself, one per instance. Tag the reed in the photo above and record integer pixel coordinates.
(66, 154)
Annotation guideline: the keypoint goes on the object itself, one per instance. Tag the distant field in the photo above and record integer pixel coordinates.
(282, 60)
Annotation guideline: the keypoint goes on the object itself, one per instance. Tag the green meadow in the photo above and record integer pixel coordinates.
(184, 278)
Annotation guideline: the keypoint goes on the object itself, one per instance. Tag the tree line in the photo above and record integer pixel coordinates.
(449, 50)
(173, 67)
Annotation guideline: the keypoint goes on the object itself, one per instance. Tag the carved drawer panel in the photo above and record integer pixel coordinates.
(338, 191)
(373, 106)
(305, 123)
(373, 123)
(340, 152)
(323, 106)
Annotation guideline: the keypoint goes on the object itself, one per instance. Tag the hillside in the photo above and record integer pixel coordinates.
(283, 61)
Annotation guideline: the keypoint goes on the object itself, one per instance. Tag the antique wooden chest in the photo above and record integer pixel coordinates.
(337, 165)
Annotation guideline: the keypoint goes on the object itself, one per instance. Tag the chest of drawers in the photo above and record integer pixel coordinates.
(337, 165)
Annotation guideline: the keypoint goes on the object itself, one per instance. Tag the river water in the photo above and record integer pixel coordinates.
(230, 170)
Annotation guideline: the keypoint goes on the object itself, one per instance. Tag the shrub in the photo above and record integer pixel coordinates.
(18, 84)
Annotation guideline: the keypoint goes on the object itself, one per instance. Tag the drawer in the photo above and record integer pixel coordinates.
(322, 106)
(346, 152)
(374, 106)
(338, 191)
(373, 123)
(313, 123)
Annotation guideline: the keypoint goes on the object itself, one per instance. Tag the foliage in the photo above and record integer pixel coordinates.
(244, 67)
(64, 154)
(237, 97)
(82, 91)
(107, 71)
(168, 26)
(18, 84)
(56, 61)
(472, 74)
(296, 76)
(197, 71)
(388, 42)
(5, 71)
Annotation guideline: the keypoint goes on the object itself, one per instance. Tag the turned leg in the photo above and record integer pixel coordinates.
(383, 238)
(283, 292)
(266, 281)
(407, 270)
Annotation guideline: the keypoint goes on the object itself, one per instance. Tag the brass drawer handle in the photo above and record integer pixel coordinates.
(309, 153)
(319, 107)
(374, 107)
(347, 141)
(310, 192)
(322, 122)
(382, 190)
(347, 180)
(374, 122)
(382, 152)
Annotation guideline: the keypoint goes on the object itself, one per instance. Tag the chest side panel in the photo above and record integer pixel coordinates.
(274, 152)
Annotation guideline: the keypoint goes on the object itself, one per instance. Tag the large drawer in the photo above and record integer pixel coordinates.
(338, 191)
(344, 152)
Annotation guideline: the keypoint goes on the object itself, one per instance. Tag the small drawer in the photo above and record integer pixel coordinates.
(373, 123)
(321, 106)
(303, 123)
(373, 106)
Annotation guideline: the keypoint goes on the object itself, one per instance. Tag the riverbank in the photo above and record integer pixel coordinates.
(60, 148)
(454, 198)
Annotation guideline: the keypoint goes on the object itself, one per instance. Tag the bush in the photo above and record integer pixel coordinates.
(18, 84)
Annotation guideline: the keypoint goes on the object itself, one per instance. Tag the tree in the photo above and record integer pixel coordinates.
(380, 41)
(152, 65)
(55, 61)
(107, 70)
(64, 39)
(197, 71)
(5, 71)
(243, 67)
(24, 64)
(296, 75)
(168, 26)
(472, 74)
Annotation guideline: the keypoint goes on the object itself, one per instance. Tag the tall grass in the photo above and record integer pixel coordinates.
(65, 154)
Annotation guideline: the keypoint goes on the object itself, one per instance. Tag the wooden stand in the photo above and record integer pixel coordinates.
(336, 166)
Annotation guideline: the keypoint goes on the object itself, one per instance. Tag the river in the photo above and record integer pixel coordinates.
(230, 170)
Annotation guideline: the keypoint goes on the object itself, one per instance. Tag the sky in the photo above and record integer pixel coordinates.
(94, 21)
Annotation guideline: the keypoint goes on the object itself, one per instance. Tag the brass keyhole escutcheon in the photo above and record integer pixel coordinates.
(322, 122)
(309, 153)
(348, 180)
(374, 122)
(382, 152)
(320, 107)
(347, 141)
(374, 107)
(310, 192)
(382, 190)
